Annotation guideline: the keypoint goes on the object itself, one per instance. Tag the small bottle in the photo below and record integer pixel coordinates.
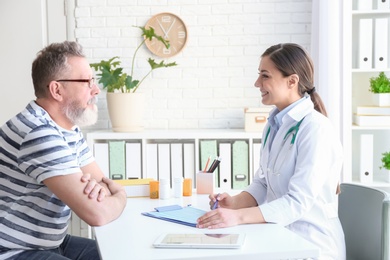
(187, 187)
(178, 187)
(164, 189)
(154, 187)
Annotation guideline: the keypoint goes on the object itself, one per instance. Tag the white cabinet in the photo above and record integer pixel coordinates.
(361, 49)
(247, 143)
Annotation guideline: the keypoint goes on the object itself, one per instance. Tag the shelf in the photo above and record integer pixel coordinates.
(370, 12)
(361, 128)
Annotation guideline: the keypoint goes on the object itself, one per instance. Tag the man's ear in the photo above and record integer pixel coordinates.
(293, 80)
(56, 90)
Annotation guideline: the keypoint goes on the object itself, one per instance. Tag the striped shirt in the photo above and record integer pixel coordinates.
(33, 148)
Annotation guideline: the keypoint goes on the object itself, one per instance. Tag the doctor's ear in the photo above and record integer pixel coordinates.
(293, 80)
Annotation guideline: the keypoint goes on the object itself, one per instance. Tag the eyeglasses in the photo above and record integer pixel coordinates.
(91, 81)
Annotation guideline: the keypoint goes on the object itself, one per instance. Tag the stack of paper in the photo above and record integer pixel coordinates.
(372, 116)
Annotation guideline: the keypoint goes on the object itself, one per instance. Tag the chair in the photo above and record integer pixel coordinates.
(364, 214)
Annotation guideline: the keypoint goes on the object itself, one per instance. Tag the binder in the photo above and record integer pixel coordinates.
(256, 157)
(133, 161)
(366, 158)
(117, 160)
(100, 151)
(177, 214)
(225, 166)
(152, 162)
(164, 161)
(176, 161)
(382, 4)
(365, 43)
(381, 43)
(208, 148)
(189, 161)
(364, 4)
(240, 164)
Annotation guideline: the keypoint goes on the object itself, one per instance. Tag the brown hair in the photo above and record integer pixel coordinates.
(290, 58)
(51, 64)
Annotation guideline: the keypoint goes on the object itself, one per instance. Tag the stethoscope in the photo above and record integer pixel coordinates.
(293, 131)
(290, 131)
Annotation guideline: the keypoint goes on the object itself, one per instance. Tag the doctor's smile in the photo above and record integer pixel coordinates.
(297, 182)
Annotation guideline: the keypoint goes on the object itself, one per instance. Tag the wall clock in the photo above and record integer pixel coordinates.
(171, 28)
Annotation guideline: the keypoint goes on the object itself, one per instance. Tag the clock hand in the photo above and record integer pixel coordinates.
(162, 28)
(170, 27)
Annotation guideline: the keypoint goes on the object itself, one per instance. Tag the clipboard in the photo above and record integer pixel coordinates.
(177, 214)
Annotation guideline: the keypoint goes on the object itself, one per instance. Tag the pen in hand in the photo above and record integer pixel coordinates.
(216, 202)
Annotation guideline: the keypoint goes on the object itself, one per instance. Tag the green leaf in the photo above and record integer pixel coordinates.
(155, 65)
(380, 84)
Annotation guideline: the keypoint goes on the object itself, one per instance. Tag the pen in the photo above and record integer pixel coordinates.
(216, 202)
(207, 164)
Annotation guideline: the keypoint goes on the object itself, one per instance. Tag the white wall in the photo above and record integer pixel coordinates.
(214, 80)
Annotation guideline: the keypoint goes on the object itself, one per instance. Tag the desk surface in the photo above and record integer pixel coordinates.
(131, 236)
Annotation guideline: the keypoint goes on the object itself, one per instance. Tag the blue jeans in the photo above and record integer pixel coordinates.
(75, 248)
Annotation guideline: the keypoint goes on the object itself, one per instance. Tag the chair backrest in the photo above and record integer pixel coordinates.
(364, 216)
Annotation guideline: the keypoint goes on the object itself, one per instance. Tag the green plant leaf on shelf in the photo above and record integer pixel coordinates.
(380, 84)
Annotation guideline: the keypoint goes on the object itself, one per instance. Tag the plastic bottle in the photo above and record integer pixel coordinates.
(164, 189)
(178, 187)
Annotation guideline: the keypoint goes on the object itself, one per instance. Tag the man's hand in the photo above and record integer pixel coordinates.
(94, 189)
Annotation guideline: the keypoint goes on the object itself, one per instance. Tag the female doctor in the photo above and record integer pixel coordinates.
(297, 183)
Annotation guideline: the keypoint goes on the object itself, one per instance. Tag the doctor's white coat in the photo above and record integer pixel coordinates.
(295, 185)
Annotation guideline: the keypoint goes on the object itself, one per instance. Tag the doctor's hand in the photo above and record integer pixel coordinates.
(219, 218)
(224, 200)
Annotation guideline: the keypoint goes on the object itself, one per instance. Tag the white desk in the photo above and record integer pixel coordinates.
(131, 236)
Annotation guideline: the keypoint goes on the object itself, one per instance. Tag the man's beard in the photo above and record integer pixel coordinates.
(82, 116)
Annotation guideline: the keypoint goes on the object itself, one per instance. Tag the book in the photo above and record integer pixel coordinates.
(177, 214)
(136, 187)
(371, 120)
(373, 111)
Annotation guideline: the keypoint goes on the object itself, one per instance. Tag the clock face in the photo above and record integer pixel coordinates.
(171, 28)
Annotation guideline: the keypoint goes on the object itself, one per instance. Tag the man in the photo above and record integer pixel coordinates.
(46, 167)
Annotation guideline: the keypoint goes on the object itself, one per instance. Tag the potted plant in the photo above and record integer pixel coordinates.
(380, 86)
(125, 105)
(386, 164)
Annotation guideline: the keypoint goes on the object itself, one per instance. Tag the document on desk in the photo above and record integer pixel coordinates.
(177, 214)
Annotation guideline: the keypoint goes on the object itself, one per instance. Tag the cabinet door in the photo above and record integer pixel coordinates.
(26, 27)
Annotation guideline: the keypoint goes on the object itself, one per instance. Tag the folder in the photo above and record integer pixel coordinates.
(164, 162)
(117, 160)
(189, 161)
(177, 214)
(381, 35)
(240, 164)
(176, 160)
(208, 148)
(100, 151)
(225, 166)
(133, 161)
(366, 158)
(152, 162)
(365, 44)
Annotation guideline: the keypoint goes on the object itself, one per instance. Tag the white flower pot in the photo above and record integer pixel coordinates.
(381, 99)
(126, 111)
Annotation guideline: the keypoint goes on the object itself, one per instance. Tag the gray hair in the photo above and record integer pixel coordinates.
(51, 64)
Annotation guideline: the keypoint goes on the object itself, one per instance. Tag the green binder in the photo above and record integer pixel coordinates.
(117, 160)
(240, 159)
(208, 148)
